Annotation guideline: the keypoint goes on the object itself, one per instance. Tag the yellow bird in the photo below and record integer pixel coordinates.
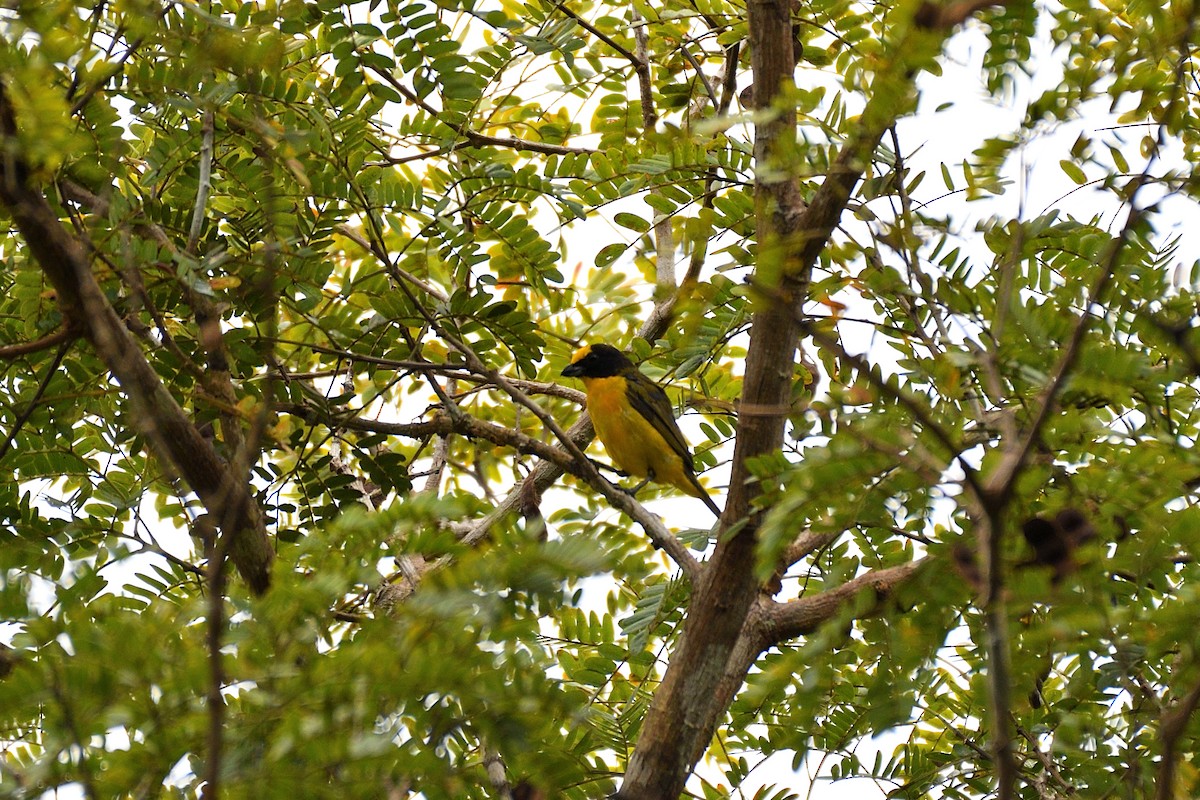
(632, 416)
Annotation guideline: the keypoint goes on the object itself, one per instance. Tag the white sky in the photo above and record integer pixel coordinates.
(929, 139)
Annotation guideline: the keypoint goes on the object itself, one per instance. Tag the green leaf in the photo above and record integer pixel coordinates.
(610, 253)
(1073, 171)
(631, 221)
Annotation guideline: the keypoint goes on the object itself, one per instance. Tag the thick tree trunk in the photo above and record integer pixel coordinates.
(724, 632)
(683, 715)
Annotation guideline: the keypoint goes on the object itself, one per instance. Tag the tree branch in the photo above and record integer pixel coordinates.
(801, 617)
(791, 237)
(664, 240)
(203, 182)
(682, 713)
(608, 40)
(475, 138)
(86, 309)
(1171, 725)
(441, 423)
(9, 352)
(23, 417)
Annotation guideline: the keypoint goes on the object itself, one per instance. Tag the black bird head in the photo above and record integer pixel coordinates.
(597, 361)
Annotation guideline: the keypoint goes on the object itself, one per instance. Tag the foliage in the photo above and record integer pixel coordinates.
(347, 235)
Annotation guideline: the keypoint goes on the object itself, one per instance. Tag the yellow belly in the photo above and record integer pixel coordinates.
(630, 440)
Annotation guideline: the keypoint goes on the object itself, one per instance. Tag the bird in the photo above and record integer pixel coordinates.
(632, 416)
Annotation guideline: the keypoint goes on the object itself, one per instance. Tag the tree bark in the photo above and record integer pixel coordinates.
(727, 625)
(682, 715)
(168, 432)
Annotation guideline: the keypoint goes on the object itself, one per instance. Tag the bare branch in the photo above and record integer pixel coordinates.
(700, 74)
(441, 423)
(9, 352)
(664, 240)
(803, 616)
(478, 139)
(805, 545)
(203, 182)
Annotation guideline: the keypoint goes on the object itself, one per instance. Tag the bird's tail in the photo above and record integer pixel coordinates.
(696, 490)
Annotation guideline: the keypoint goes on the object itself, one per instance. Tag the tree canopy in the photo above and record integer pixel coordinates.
(300, 505)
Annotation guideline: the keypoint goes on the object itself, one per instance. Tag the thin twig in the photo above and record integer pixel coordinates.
(374, 249)
(729, 84)
(204, 183)
(97, 17)
(108, 75)
(1048, 766)
(708, 87)
(919, 412)
(23, 417)
(148, 546)
(608, 40)
(475, 138)
(441, 423)
(664, 240)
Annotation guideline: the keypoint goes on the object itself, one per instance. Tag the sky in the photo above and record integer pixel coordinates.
(930, 137)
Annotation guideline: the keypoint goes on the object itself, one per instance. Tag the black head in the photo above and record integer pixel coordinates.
(597, 361)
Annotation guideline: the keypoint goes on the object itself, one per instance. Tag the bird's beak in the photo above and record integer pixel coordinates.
(572, 371)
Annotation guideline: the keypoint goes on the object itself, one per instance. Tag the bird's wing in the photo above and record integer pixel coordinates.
(649, 400)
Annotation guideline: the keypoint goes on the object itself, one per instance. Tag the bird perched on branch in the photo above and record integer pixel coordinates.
(632, 416)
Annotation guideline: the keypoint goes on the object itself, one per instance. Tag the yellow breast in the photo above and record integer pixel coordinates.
(629, 439)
